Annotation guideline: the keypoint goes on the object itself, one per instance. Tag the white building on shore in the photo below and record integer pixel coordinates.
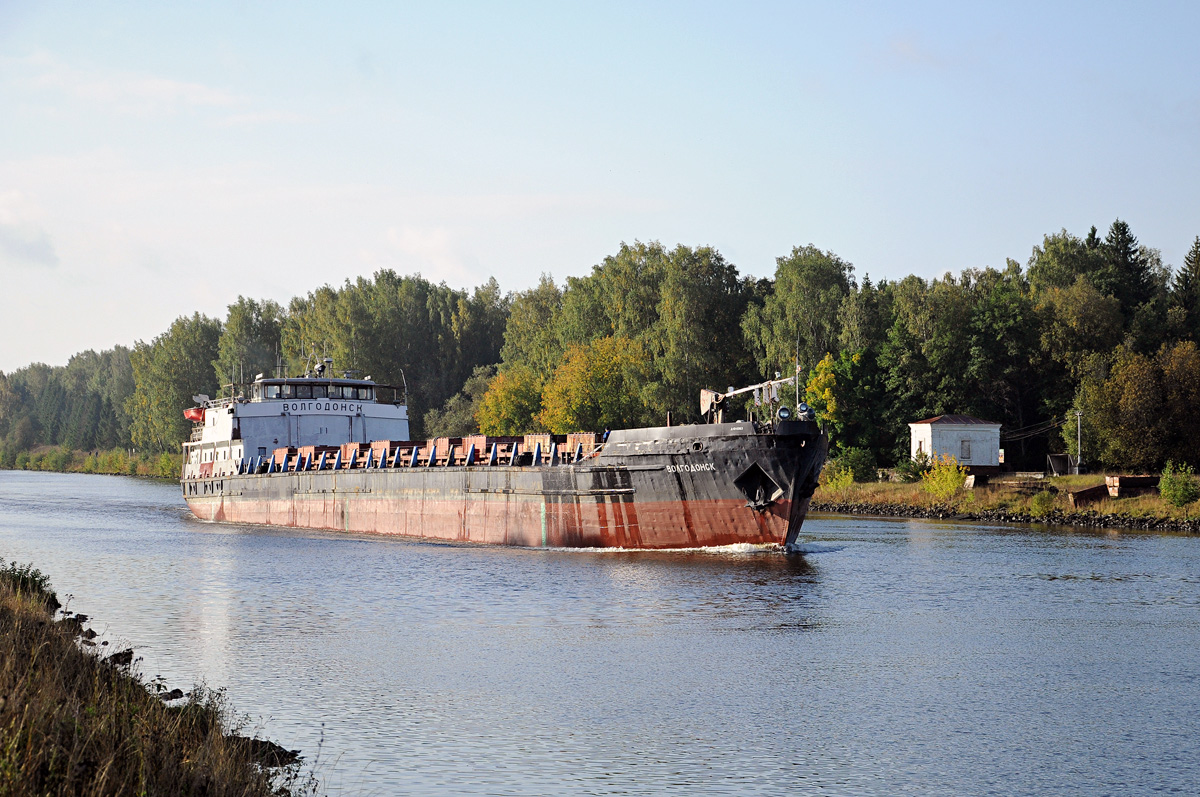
(970, 440)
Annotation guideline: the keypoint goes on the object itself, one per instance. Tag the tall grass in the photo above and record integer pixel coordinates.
(72, 722)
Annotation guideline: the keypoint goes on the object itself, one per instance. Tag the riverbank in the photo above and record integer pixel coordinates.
(114, 462)
(1044, 502)
(74, 720)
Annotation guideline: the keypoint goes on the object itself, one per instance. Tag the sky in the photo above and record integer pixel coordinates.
(159, 159)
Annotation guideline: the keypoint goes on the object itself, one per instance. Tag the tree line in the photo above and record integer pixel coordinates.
(1092, 325)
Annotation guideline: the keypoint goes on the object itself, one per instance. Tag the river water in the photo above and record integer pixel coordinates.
(894, 657)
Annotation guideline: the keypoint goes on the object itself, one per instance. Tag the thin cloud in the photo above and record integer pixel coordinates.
(126, 91)
(27, 246)
(433, 247)
(23, 240)
(262, 118)
(908, 51)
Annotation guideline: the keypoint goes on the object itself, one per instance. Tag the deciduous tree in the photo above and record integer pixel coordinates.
(512, 402)
(250, 341)
(167, 372)
(597, 386)
(799, 317)
(457, 417)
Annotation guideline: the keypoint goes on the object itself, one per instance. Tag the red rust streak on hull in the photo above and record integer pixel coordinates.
(513, 520)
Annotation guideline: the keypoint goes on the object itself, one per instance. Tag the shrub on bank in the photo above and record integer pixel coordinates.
(1177, 485)
(116, 461)
(911, 470)
(835, 478)
(944, 478)
(26, 581)
(1041, 504)
(861, 464)
(56, 459)
(167, 466)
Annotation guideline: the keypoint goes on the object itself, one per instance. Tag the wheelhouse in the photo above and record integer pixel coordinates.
(308, 388)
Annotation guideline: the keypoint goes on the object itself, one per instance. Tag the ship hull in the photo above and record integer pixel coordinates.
(673, 490)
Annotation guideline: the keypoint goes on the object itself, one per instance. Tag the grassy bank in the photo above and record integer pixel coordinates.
(117, 461)
(75, 722)
(1032, 501)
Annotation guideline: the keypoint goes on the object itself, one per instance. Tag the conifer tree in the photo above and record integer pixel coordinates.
(1127, 272)
(1185, 290)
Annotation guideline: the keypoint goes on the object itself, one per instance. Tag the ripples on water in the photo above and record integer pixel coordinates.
(898, 657)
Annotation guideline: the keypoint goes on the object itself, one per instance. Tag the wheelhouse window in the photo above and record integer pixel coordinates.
(271, 391)
(319, 391)
(304, 391)
(287, 391)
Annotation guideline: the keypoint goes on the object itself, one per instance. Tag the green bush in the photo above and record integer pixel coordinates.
(56, 459)
(27, 580)
(911, 470)
(1178, 485)
(114, 461)
(22, 461)
(168, 465)
(944, 478)
(861, 463)
(1041, 504)
(836, 476)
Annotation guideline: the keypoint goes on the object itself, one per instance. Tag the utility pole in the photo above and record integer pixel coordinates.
(797, 367)
(1078, 440)
(797, 404)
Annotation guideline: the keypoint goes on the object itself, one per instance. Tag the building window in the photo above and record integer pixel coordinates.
(920, 446)
(965, 450)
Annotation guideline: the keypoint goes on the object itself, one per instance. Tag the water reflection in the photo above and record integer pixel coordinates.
(207, 619)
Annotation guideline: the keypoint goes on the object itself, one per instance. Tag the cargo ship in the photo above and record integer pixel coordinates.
(327, 452)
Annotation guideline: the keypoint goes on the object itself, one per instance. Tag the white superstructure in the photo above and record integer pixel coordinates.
(289, 412)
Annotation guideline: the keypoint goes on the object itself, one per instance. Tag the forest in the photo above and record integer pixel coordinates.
(1092, 325)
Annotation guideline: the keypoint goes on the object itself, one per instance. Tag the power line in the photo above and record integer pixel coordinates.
(1034, 430)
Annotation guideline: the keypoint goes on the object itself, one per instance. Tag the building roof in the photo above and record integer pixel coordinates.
(958, 419)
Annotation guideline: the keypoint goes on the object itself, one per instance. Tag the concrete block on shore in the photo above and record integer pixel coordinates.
(1128, 486)
(1086, 496)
